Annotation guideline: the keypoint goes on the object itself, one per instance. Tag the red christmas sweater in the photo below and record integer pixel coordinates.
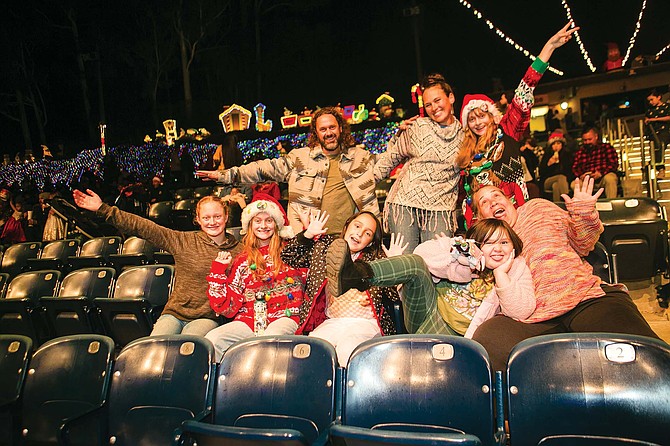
(238, 294)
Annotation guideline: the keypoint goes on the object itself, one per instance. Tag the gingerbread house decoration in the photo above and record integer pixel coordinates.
(235, 118)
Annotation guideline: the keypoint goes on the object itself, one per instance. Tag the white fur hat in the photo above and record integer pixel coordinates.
(267, 204)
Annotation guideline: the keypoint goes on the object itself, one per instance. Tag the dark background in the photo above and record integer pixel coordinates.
(312, 53)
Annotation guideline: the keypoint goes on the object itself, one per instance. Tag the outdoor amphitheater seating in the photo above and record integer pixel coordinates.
(160, 213)
(589, 389)
(183, 213)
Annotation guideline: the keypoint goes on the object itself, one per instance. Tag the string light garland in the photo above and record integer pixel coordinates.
(578, 39)
(660, 53)
(631, 43)
(503, 36)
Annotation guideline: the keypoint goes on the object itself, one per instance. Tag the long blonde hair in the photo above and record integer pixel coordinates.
(251, 247)
(473, 144)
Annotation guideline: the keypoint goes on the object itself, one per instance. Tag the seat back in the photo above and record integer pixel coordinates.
(183, 194)
(157, 383)
(140, 293)
(420, 383)
(136, 251)
(101, 247)
(589, 388)
(136, 245)
(292, 385)
(600, 261)
(4, 281)
(16, 256)
(183, 214)
(15, 351)
(33, 285)
(88, 282)
(60, 250)
(203, 191)
(68, 377)
(160, 212)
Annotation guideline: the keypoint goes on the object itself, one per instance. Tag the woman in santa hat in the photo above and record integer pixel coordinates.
(490, 152)
(556, 166)
(261, 293)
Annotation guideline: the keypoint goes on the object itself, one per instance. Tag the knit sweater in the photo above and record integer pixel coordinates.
(554, 244)
(238, 294)
(301, 252)
(193, 253)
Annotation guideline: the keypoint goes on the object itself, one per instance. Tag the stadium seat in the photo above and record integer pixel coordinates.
(4, 281)
(20, 310)
(183, 214)
(95, 252)
(54, 256)
(136, 251)
(403, 385)
(203, 191)
(160, 213)
(16, 256)
(73, 310)
(68, 377)
(139, 296)
(589, 389)
(600, 261)
(183, 194)
(278, 390)
(15, 352)
(158, 382)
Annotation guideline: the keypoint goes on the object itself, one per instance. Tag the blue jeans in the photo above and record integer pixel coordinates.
(419, 225)
(229, 333)
(168, 324)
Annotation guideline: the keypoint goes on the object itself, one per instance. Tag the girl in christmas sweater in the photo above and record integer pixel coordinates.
(261, 293)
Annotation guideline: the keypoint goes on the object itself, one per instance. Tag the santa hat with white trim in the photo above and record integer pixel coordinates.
(482, 102)
(266, 203)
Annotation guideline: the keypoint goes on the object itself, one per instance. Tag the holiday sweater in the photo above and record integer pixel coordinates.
(301, 252)
(554, 244)
(255, 302)
(429, 178)
(193, 252)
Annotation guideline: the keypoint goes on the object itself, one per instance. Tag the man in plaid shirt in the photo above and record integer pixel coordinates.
(598, 160)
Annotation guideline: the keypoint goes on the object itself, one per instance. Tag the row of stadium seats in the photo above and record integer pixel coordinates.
(572, 389)
(88, 300)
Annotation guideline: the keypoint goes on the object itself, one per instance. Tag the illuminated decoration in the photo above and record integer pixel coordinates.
(197, 134)
(578, 38)
(360, 114)
(262, 125)
(503, 36)
(348, 112)
(631, 42)
(385, 104)
(417, 98)
(103, 147)
(305, 118)
(235, 118)
(665, 48)
(170, 131)
(564, 105)
(289, 120)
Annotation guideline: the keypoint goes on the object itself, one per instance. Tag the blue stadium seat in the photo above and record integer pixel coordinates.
(135, 252)
(73, 310)
(160, 213)
(20, 310)
(15, 257)
(589, 389)
(15, 352)
(158, 382)
(54, 256)
(399, 386)
(95, 252)
(140, 294)
(278, 390)
(599, 259)
(68, 378)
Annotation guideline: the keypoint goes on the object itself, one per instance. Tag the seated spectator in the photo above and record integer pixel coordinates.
(157, 191)
(556, 167)
(597, 160)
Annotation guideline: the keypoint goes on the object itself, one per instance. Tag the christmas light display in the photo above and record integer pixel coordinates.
(578, 39)
(235, 118)
(262, 125)
(631, 42)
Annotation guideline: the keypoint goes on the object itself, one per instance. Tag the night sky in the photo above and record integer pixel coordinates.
(313, 52)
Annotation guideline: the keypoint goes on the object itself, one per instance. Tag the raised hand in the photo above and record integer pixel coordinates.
(207, 174)
(557, 40)
(224, 257)
(396, 246)
(317, 224)
(89, 200)
(584, 191)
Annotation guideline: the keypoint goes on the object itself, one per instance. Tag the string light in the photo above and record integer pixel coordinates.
(631, 43)
(504, 37)
(578, 39)
(658, 55)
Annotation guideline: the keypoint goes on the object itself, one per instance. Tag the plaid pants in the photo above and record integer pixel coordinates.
(419, 296)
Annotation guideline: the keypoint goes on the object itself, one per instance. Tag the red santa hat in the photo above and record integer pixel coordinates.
(482, 102)
(556, 136)
(266, 203)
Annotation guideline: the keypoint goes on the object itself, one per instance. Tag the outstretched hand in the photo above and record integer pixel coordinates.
(89, 200)
(584, 191)
(397, 245)
(207, 174)
(317, 225)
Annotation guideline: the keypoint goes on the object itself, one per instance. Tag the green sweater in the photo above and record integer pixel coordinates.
(193, 254)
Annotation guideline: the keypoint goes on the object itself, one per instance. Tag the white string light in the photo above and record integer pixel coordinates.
(505, 37)
(662, 51)
(637, 29)
(585, 53)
